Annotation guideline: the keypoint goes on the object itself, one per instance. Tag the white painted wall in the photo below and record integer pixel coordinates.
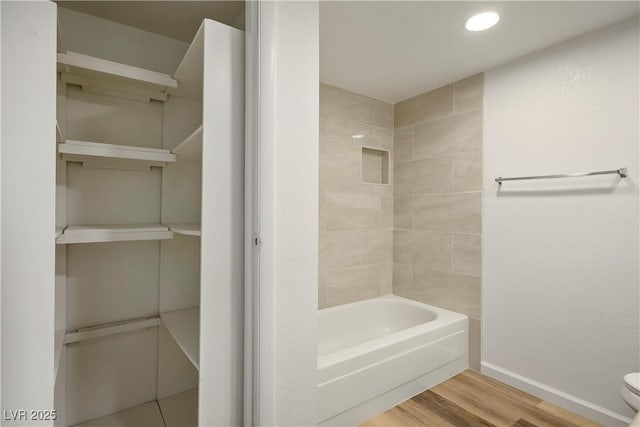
(561, 284)
(289, 212)
(28, 73)
(110, 40)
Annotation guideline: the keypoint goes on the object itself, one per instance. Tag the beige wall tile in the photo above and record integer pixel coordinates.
(468, 92)
(356, 291)
(322, 291)
(386, 219)
(460, 212)
(432, 249)
(366, 263)
(341, 155)
(468, 294)
(403, 153)
(336, 103)
(427, 106)
(403, 246)
(467, 171)
(402, 278)
(466, 254)
(340, 167)
(322, 214)
(334, 130)
(429, 249)
(475, 343)
(340, 104)
(357, 283)
(323, 251)
(386, 278)
(438, 151)
(379, 189)
(453, 291)
(424, 176)
(405, 293)
(403, 145)
(380, 113)
(355, 218)
(459, 132)
(402, 212)
(352, 211)
(339, 249)
(433, 287)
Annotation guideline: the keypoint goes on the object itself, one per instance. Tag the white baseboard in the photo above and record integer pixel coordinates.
(557, 397)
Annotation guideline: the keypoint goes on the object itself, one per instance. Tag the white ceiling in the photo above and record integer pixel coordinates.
(394, 50)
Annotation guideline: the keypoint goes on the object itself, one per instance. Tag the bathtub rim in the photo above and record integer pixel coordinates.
(443, 318)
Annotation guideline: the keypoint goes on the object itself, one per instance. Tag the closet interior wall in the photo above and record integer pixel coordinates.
(110, 282)
(153, 282)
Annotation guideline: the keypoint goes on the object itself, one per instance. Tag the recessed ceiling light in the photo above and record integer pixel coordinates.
(357, 136)
(482, 21)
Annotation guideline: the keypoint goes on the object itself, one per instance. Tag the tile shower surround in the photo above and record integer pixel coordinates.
(420, 235)
(356, 218)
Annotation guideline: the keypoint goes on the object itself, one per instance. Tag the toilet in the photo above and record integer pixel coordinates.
(630, 392)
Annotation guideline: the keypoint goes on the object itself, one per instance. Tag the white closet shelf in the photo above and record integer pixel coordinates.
(96, 154)
(186, 229)
(113, 233)
(113, 78)
(184, 327)
(191, 147)
(110, 329)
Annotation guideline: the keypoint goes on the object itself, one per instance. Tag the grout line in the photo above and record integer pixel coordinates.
(453, 172)
(402, 128)
(413, 221)
(411, 283)
(453, 89)
(349, 267)
(453, 237)
(439, 156)
(324, 292)
(161, 414)
(413, 142)
(345, 121)
(420, 231)
(445, 194)
(478, 150)
(350, 230)
(440, 270)
(466, 233)
(410, 211)
(467, 274)
(446, 116)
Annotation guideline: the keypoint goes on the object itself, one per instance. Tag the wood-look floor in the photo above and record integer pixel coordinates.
(471, 399)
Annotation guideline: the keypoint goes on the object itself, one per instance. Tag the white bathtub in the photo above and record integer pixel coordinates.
(376, 353)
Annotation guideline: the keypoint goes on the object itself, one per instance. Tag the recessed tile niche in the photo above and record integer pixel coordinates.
(375, 166)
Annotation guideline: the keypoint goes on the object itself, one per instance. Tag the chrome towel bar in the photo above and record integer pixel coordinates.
(622, 172)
